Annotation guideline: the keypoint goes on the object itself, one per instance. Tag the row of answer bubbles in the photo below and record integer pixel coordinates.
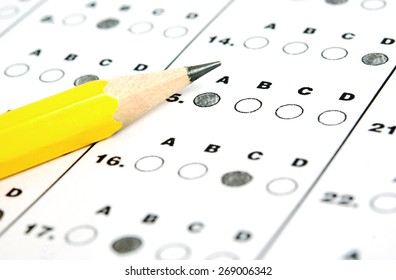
(331, 53)
(291, 111)
(286, 111)
(188, 171)
(196, 170)
(81, 235)
(20, 69)
(85, 234)
(137, 28)
(207, 99)
(48, 76)
(253, 43)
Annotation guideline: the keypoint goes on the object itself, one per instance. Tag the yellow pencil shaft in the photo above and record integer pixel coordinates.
(56, 125)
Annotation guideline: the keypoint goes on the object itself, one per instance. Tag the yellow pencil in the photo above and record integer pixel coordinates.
(88, 113)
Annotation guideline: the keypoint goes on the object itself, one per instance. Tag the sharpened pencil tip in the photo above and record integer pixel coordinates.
(197, 71)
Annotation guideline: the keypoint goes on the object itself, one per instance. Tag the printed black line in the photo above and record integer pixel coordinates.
(282, 227)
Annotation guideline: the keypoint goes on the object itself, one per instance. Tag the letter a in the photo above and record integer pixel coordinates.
(36, 52)
(270, 26)
(170, 142)
(105, 210)
(223, 80)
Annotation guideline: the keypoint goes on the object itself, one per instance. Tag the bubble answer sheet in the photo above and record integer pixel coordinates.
(286, 151)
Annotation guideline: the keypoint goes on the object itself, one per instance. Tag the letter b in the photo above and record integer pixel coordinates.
(212, 148)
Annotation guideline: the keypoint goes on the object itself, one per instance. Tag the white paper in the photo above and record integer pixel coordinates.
(284, 151)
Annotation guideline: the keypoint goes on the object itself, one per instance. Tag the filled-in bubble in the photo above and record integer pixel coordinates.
(126, 244)
(206, 99)
(108, 23)
(236, 178)
(85, 79)
(374, 59)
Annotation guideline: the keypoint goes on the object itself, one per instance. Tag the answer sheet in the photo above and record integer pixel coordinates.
(286, 151)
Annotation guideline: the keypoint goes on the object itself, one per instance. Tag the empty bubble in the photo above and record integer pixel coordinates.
(193, 170)
(81, 235)
(282, 186)
(384, 203)
(373, 4)
(255, 43)
(175, 32)
(149, 163)
(174, 251)
(16, 70)
(332, 117)
(51, 75)
(141, 27)
(334, 53)
(289, 111)
(295, 48)
(248, 105)
(74, 19)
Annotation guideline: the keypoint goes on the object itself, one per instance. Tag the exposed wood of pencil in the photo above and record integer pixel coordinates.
(138, 94)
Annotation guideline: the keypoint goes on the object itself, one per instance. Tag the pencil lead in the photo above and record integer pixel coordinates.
(197, 71)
